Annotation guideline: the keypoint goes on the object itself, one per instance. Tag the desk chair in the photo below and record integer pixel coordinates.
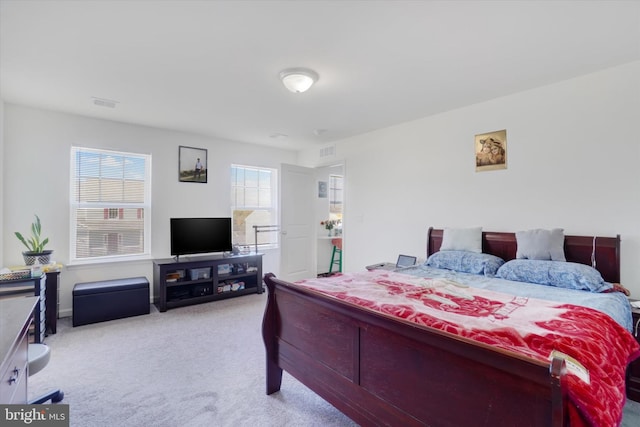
(336, 255)
(38, 356)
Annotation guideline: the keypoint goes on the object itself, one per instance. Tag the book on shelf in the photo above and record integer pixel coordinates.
(230, 286)
(173, 277)
(224, 269)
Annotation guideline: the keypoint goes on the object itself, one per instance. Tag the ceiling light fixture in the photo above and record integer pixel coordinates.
(298, 80)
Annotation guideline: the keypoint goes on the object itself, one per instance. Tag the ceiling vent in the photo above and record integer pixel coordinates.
(329, 151)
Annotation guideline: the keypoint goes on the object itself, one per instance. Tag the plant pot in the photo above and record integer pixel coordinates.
(43, 257)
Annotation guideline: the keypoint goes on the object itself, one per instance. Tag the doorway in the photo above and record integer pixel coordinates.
(330, 219)
(306, 248)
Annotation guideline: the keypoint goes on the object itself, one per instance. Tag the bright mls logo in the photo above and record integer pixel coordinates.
(35, 415)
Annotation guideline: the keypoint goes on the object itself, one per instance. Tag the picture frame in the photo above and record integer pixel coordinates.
(491, 150)
(192, 164)
(322, 189)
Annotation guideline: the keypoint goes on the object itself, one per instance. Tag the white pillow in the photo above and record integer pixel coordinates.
(462, 239)
(541, 244)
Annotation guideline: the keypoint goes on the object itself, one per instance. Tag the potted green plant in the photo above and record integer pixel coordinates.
(35, 245)
(329, 224)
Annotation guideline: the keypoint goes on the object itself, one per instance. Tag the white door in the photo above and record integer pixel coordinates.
(297, 223)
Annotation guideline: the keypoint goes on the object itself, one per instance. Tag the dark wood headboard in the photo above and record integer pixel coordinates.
(576, 249)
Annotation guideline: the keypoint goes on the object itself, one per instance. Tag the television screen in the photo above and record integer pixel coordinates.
(200, 235)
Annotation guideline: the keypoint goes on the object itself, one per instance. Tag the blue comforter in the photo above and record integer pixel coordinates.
(615, 304)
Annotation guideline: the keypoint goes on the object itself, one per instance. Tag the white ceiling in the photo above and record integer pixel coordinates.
(211, 67)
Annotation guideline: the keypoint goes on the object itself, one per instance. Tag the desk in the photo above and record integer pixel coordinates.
(15, 319)
(36, 286)
(52, 303)
(52, 294)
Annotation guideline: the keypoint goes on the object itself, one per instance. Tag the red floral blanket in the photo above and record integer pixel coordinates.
(597, 347)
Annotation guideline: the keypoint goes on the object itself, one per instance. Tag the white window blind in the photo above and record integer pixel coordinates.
(253, 202)
(336, 183)
(110, 204)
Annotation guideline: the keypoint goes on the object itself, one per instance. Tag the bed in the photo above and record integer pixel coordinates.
(382, 366)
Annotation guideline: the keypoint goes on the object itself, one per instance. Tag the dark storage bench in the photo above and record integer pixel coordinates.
(110, 299)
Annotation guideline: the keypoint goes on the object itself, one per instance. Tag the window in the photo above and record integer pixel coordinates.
(253, 202)
(112, 213)
(110, 204)
(335, 194)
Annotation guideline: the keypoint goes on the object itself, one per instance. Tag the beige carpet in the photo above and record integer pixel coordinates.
(201, 365)
(194, 366)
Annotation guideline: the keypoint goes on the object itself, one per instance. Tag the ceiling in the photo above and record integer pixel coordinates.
(211, 67)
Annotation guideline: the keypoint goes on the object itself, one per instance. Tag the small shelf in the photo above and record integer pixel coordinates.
(187, 282)
(235, 276)
(173, 288)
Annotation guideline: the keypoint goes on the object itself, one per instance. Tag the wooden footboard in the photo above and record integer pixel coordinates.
(379, 370)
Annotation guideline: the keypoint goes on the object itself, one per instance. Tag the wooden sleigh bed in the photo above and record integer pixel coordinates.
(381, 370)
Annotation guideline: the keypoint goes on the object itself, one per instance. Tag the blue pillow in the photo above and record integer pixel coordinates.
(568, 275)
(466, 262)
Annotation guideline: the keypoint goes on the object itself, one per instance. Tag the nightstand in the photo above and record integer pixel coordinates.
(381, 266)
(633, 371)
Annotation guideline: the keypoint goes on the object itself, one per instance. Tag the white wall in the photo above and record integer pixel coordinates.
(573, 151)
(573, 155)
(36, 156)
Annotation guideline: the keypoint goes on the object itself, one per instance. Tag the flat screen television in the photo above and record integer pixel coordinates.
(200, 235)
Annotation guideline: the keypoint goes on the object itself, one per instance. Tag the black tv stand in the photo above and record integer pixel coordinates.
(179, 282)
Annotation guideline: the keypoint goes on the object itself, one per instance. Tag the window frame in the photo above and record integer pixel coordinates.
(273, 209)
(143, 209)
